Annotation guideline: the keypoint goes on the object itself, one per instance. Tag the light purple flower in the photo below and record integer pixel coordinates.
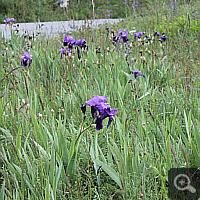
(95, 101)
(25, 58)
(137, 73)
(140, 34)
(81, 43)
(9, 20)
(62, 51)
(120, 32)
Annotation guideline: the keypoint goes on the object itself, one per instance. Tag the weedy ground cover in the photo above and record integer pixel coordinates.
(59, 141)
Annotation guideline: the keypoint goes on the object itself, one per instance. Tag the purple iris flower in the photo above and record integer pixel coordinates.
(125, 36)
(101, 110)
(140, 34)
(135, 35)
(9, 20)
(72, 43)
(120, 32)
(104, 112)
(81, 43)
(115, 38)
(62, 51)
(67, 40)
(95, 101)
(155, 33)
(106, 11)
(107, 28)
(137, 73)
(83, 108)
(163, 38)
(25, 58)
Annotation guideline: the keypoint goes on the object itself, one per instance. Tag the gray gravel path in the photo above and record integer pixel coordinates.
(53, 29)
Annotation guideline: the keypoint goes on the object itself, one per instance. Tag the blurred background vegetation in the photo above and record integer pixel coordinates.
(50, 10)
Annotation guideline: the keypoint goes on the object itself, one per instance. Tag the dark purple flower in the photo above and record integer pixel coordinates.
(115, 38)
(99, 123)
(107, 28)
(137, 73)
(78, 52)
(71, 43)
(155, 33)
(83, 108)
(67, 40)
(135, 35)
(104, 111)
(62, 51)
(81, 43)
(125, 36)
(163, 38)
(101, 110)
(25, 58)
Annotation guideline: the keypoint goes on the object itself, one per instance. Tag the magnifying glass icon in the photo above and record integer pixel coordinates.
(184, 180)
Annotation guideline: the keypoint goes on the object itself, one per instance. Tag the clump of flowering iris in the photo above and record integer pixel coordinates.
(137, 73)
(9, 20)
(25, 58)
(100, 110)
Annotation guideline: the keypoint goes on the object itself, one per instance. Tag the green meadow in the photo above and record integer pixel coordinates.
(50, 148)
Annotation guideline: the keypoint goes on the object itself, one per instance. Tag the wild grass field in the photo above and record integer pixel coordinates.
(58, 140)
